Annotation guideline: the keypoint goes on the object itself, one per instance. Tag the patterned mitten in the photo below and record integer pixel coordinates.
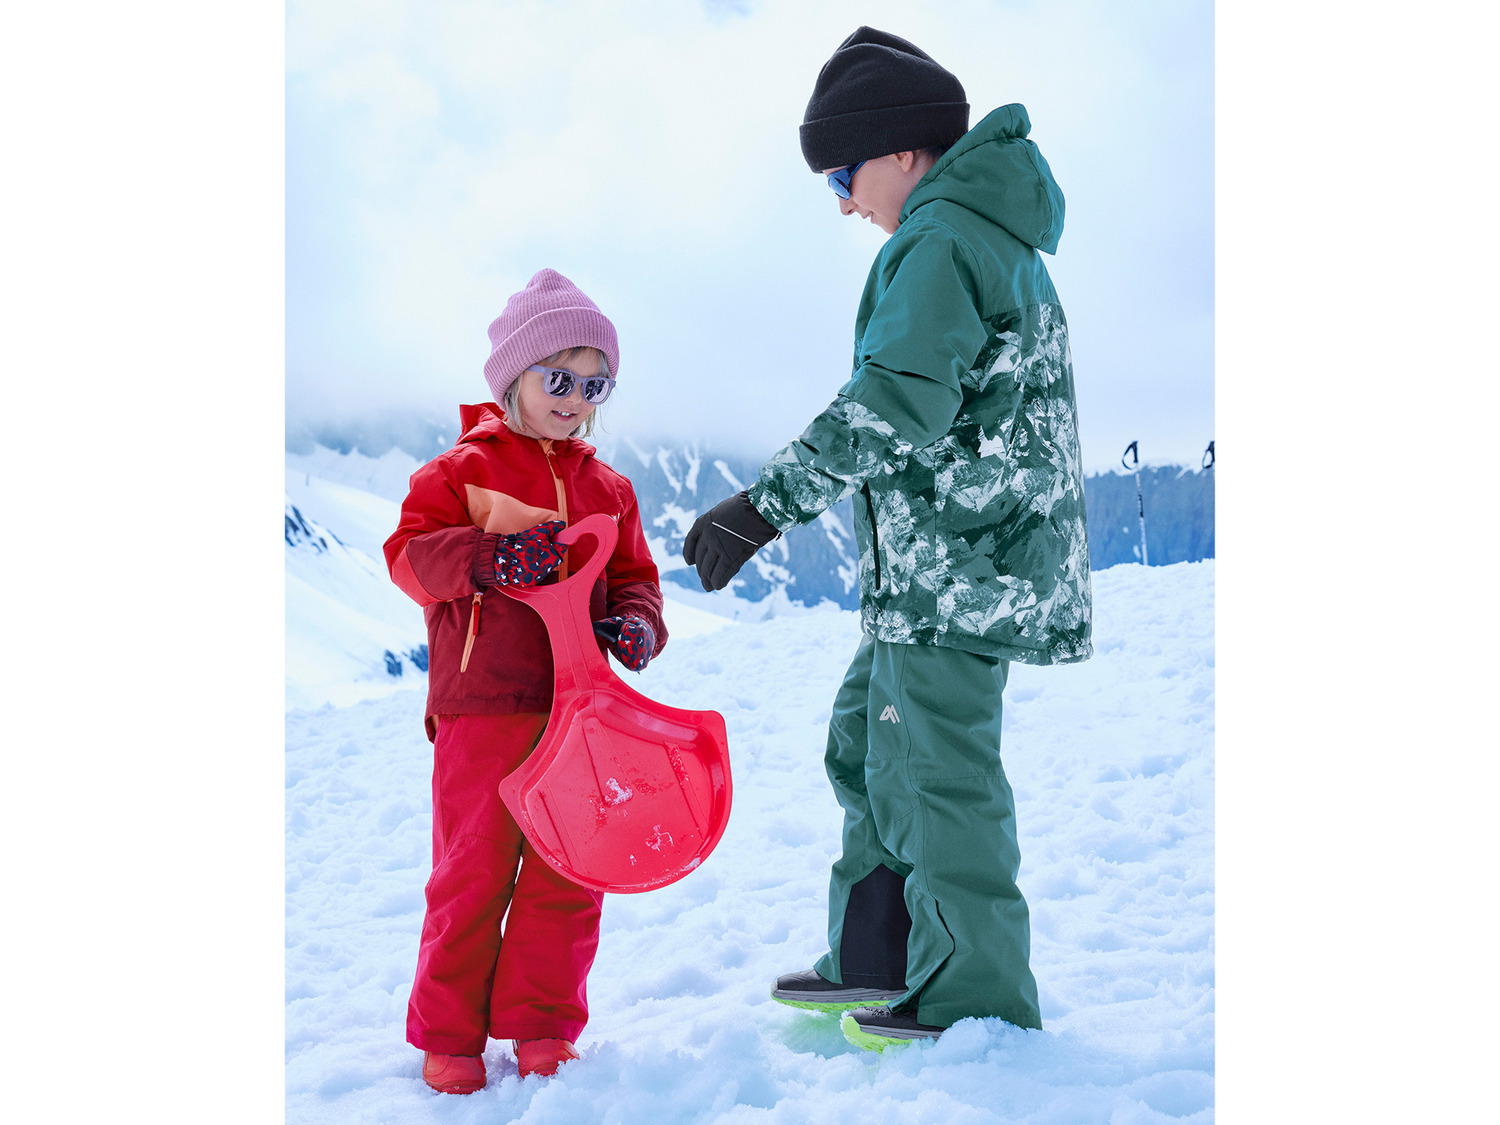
(629, 638)
(525, 558)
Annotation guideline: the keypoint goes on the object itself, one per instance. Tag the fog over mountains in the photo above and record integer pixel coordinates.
(676, 480)
(353, 635)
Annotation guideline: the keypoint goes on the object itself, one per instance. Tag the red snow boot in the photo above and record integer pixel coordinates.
(453, 1074)
(542, 1056)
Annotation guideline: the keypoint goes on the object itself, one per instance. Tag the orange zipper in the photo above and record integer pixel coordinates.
(562, 501)
(463, 665)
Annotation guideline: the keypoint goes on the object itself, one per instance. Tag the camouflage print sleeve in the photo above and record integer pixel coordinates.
(843, 447)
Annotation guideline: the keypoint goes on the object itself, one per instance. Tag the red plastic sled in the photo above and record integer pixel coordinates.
(622, 793)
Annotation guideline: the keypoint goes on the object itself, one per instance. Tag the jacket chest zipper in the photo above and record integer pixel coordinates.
(463, 665)
(874, 538)
(477, 603)
(562, 502)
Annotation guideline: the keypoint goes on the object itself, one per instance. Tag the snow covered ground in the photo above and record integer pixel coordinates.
(1112, 764)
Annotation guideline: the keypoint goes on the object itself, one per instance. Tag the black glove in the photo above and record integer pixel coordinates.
(723, 539)
(629, 638)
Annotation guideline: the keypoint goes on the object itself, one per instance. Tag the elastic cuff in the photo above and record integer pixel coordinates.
(770, 527)
(482, 570)
(777, 519)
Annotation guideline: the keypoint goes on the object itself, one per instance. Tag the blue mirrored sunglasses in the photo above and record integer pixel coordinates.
(842, 180)
(559, 382)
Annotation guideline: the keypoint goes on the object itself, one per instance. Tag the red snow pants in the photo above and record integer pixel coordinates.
(477, 978)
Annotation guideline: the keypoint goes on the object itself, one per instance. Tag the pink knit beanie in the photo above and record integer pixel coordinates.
(546, 317)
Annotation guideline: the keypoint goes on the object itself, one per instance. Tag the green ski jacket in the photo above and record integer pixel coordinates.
(958, 429)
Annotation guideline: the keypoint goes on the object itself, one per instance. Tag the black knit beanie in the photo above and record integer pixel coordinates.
(879, 94)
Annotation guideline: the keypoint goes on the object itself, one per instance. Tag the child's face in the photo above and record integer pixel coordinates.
(556, 418)
(880, 187)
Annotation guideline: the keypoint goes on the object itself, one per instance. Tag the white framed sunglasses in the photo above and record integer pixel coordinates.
(559, 383)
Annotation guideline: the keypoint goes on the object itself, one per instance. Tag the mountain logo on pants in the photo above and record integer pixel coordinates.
(889, 714)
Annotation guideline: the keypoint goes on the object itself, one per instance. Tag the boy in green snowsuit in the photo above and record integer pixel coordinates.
(957, 438)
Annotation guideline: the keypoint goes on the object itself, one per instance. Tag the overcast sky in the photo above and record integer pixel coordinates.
(439, 153)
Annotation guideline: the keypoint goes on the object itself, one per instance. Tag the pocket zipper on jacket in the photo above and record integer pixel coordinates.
(874, 538)
(463, 665)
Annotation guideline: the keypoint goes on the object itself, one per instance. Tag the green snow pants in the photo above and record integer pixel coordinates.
(924, 896)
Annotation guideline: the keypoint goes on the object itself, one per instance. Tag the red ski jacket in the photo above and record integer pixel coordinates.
(489, 654)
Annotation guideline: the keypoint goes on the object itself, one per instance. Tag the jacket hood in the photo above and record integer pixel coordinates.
(485, 420)
(994, 171)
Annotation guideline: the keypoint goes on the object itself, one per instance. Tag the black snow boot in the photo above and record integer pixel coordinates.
(875, 1029)
(808, 990)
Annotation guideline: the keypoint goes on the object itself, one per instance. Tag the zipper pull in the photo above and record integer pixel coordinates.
(463, 665)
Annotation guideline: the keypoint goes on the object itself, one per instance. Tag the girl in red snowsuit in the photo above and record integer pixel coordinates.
(480, 515)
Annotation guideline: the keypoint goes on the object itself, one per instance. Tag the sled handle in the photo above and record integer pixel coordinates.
(564, 606)
(602, 529)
